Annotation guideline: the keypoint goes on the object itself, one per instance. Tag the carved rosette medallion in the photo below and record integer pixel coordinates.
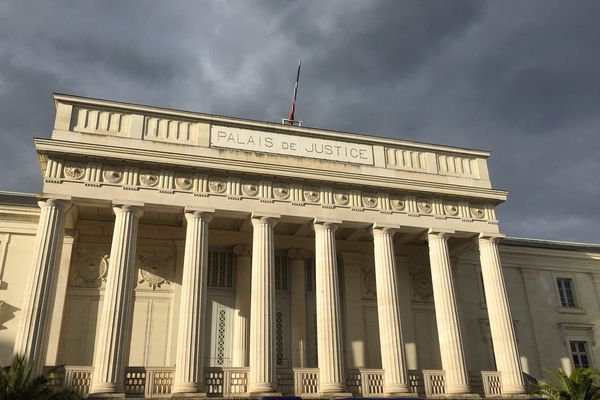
(250, 189)
(74, 170)
(424, 206)
(369, 200)
(217, 185)
(113, 175)
(184, 182)
(398, 204)
(92, 267)
(149, 178)
(341, 198)
(477, 212)
(281, 192)
(422, 287)
(312, 195)
(451, 209)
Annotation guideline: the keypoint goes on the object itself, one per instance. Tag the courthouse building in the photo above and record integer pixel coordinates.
(178, 253)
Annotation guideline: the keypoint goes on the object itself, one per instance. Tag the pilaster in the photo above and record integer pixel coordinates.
(114, 326)
(32, 337)
(189, 361)
(501, 324)
(446, 314)
(61, 291)
(243, 269)
(298, 259)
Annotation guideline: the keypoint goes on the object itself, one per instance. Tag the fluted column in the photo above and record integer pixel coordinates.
(298, 259)
(114, 327)
(446, 314)
(189, 361)
(32, 337)
(329, 335)
(501, 324)
(262, 307)
(241, 321)
(388, 309)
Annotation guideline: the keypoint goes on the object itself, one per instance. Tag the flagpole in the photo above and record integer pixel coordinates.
(291, 120)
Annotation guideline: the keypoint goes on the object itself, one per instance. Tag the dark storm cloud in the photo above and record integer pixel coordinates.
(517, 78)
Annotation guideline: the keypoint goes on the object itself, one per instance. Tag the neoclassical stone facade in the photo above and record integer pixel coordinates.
(174, 253)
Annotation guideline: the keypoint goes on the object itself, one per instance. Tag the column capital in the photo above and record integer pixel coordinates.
(199, 213)
(485, 238)
(136, 208)
(297, 254)
(436, 233)
(259, 218)
(242, 250)
(64, 204)
(322, 223)
(379, 229)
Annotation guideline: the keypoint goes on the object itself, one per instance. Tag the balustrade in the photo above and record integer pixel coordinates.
(155, 382)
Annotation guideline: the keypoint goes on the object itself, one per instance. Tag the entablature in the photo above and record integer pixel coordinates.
(149, 134)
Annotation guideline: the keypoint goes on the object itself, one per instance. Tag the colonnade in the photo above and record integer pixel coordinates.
(114, 331)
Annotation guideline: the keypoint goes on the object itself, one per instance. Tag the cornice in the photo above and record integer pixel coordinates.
(269, 126)
(104, 152)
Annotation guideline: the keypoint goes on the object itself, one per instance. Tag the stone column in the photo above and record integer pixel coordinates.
(189, 361)
(114, 326)
(243, 269)
(446, 314)
(501, 324)
(32, 337)
(388, 309)
(298, 259)
(262, 307)
(329, 335)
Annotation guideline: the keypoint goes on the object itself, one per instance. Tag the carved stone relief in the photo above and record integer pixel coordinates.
(155, 269)
(90, 268)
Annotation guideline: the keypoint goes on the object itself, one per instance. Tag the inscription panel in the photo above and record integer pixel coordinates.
(299, 146)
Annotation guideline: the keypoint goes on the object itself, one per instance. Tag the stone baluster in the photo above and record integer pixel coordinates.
(114, 327)
(32, 337)
(262, 377)
(189, 361)
(298, 259)
(446, 314)
(388, 309)
(501, 324)
(243, 269)
(329, 335)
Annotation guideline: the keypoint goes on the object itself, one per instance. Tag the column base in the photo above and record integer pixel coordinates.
(335, 395)
(459, 389)
(397, 390)
(188, 396)
(262, 394)
(405, 395)
(104, 396)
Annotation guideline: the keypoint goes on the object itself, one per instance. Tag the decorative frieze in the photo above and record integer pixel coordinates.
(234, 187)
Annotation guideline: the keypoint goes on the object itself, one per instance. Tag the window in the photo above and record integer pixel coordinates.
(281, 272)
(565, 292)
(579, 353)
(220, 269)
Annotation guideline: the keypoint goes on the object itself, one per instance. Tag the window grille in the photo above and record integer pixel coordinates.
(220, 269)
(579, 353)
(565, 292)
(281, 272)
(279, 337)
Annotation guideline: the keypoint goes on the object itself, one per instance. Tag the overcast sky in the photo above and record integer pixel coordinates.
(518, 78)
